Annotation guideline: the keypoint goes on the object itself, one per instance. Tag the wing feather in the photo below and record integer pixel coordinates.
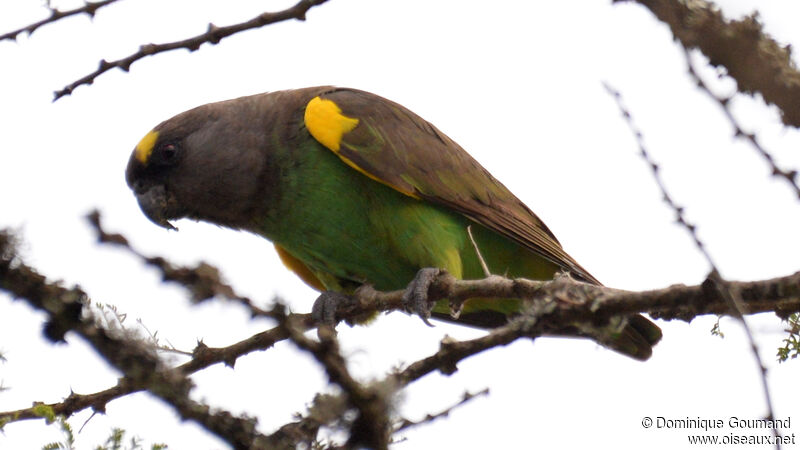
(400, 149)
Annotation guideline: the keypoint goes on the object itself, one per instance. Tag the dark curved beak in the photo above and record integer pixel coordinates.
(157, 204)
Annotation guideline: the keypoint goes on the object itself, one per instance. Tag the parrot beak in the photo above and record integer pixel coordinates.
(157, 205)
(154, 203)
(154, 197)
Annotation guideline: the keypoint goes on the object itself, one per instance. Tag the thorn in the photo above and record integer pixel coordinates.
(212, 34)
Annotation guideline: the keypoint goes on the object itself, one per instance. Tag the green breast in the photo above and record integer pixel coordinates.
(349, 229)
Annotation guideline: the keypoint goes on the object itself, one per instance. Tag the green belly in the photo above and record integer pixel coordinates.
(349, 229)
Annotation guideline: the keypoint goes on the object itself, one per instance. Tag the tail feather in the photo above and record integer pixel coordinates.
(646, 328)
(632, 336)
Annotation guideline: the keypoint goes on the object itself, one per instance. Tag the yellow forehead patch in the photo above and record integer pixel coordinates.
(325, 121)
(145, 147)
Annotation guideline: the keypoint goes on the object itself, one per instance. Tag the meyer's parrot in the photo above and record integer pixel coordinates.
(353, 188)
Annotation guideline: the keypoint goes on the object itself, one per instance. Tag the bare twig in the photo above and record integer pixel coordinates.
(203, 281)
(578, 300)
(451, 352)
(141, 367)
(372, 427)
(564, 301)
(202, 357)
(748, 54)
(656, 170)
(736, 305)
(780, 295)
(213, 35)
(682, 302)
(88, 8)
(790, 176)
(405, 424)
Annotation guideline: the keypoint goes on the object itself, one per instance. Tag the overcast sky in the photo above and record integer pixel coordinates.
(519, 86)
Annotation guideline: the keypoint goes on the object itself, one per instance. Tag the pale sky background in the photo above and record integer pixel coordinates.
(517, 84)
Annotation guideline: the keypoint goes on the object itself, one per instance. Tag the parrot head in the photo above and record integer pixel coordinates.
(208, 163)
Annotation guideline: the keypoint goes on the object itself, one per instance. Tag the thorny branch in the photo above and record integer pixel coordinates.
(213, 35)
(203, 281)
(372, 427)
(780, 295)
(141, 367)
(736, 306)
(554, 304)
(89, 8)
(790, 176)
(467, 397)
(143, 370)
(748, 54)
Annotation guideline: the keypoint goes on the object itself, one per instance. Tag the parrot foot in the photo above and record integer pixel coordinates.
(416, 299)
(326, 306)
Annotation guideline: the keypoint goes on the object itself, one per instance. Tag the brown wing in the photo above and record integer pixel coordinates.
(393, 145)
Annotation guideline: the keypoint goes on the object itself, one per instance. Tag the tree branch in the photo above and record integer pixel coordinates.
(203, 281)
(576, 300)
(562, 301)
(141, 367)
(213, 35)
(372, 428)
(722, 287)
(56, 15)
(749, 55)
(789, 176)
(467, 397)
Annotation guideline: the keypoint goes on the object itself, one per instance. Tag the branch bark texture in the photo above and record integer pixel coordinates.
(554, 304)
(749, 55)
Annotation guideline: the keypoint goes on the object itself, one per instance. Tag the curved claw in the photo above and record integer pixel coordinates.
(416, 299)
(327, 305)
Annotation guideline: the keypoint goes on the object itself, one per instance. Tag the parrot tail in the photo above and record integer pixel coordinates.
(633, 336)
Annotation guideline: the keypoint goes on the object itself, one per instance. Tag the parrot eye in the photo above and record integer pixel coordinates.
(167, 154)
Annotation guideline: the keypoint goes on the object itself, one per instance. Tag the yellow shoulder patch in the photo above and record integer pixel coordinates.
(325, 121)
(145, 147)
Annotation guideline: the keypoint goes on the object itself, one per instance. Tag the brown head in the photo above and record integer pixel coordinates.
(210, 163)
